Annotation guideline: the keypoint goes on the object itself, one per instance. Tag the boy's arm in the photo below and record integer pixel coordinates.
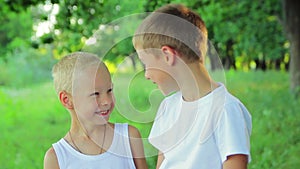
(237, 161)
(137, 148)
(50, 160)
(160, 159)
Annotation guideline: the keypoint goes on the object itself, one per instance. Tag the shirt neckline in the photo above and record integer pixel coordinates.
(97, 156)
(205, 98)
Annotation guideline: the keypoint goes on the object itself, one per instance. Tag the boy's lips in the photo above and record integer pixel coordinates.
(103, 112)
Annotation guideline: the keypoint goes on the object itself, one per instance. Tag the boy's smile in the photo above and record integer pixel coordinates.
(103, 112)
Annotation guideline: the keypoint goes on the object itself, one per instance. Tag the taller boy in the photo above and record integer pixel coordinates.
(201, 125)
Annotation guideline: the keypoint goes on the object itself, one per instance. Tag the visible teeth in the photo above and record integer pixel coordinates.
(103, 112)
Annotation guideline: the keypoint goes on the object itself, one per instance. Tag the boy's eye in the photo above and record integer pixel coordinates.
(95, 94)
(110, 90)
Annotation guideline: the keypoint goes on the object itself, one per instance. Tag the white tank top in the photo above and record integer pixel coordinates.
(117, 156)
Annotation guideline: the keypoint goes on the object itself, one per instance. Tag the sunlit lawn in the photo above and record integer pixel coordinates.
(31, 119)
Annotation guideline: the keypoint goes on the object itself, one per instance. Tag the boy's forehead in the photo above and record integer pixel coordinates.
(143, 55)
(149, 54)
(91, 73)
(148, 51)
(92, 79)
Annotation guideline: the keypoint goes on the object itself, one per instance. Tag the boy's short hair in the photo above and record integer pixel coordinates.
(176, 26)
(63, 72)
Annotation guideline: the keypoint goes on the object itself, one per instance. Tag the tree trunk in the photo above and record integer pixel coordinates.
(295, 64)
(291, 17)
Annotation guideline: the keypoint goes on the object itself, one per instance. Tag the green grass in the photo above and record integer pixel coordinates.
(31, 118)
(275, 141)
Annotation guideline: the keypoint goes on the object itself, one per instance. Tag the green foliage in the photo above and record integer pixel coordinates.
(20, 5)
(32, 119)
(82, 18)
(247, 34)
(16, 29)
(26, 66)
(249, 30)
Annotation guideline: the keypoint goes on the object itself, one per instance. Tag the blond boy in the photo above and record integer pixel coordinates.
(85, 89)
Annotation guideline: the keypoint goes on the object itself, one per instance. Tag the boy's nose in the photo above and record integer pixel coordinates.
(105, 100)
(147, 75)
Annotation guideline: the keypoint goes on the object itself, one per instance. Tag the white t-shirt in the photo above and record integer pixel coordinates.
(117, 156)
(201, 134)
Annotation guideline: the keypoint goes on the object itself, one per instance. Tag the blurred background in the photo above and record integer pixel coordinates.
(257, 42)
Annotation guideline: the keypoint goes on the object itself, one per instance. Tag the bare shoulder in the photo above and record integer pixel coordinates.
(135, 141)
(137, 148)
(133, 132)
(50, 159)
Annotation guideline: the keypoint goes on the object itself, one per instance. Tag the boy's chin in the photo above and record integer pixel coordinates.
(103, 121)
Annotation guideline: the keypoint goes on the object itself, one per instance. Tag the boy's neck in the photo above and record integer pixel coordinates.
(197, 83)
(85, 131)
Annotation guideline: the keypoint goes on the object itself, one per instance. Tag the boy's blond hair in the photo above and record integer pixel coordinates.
(63, 72)
(176, 26)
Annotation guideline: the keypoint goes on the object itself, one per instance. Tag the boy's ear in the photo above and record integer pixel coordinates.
(169, 54)
(66, 99)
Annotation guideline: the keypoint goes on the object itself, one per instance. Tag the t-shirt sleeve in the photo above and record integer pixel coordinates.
(233, 131)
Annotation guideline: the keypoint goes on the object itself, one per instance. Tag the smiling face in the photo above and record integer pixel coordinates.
(93, 96)
(158, 71)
